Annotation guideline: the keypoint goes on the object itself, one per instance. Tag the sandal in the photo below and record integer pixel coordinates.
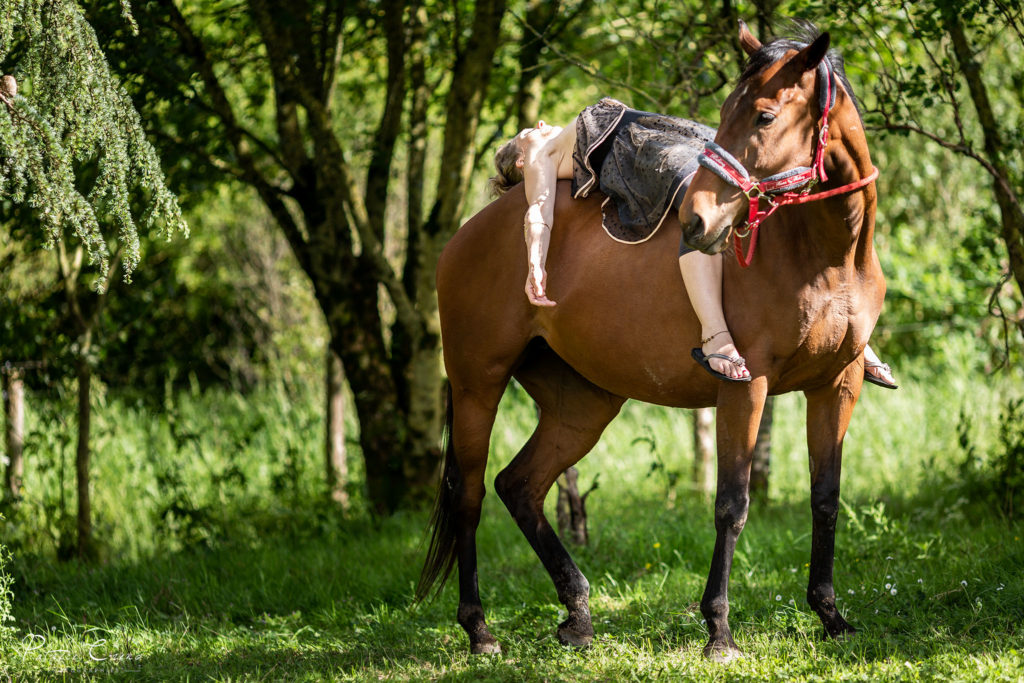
(874, 379)
(702, 358)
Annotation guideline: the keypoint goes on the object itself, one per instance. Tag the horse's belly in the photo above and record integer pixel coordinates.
(632, 342)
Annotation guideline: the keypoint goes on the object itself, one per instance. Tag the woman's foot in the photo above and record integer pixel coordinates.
(719, 356)
(880, 374)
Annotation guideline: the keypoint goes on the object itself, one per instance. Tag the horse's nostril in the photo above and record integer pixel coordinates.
(696, 226)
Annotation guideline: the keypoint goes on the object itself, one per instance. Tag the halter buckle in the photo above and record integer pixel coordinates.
(823, 133)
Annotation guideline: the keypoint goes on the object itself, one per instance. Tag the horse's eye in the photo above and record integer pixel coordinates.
(764, 118)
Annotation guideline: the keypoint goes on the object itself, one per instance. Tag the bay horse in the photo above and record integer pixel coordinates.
(802, 313)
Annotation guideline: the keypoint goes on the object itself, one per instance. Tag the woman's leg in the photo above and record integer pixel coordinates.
(702, 275)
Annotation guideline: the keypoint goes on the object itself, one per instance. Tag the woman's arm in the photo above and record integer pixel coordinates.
(541, 158)
(540, 182)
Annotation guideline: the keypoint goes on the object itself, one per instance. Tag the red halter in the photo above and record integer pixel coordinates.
(780, 189)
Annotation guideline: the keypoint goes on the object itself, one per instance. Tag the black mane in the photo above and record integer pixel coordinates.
(803, 33)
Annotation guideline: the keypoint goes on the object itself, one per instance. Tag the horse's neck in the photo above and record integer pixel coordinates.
(838, 231)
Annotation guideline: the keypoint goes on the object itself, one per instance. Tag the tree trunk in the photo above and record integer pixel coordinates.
(85, 549)
(761, 464)
(14, 409)
(334, 447)
(539, 14)
(393, 369)
(704, 451)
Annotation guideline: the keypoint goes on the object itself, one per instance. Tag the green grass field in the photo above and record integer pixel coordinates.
(219, 562)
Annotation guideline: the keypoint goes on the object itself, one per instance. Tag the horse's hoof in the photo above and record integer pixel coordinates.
(721, 653)
(575, 637)
(485, 647)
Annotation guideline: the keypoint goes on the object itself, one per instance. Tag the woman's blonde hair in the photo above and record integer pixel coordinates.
(505, 162)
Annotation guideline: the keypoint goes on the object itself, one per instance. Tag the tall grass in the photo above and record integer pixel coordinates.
(222, 559)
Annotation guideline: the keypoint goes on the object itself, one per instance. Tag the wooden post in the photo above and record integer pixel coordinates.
(761, 465)
(704, 451)
(14, 411)
(82, 455)
(335, 457)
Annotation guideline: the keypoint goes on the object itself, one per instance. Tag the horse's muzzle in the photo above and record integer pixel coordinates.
(695, 236)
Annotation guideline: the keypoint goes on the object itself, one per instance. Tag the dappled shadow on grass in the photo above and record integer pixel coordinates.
(338, 602)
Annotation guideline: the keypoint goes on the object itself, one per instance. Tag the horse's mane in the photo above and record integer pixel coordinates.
(802, 34)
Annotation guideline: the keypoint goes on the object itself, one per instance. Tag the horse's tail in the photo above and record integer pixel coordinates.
(442, 551)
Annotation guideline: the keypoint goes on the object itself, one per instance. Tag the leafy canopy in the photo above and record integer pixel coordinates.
(72, 146)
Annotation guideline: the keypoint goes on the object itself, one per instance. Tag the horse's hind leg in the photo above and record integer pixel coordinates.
(472, 421)
(573, 413)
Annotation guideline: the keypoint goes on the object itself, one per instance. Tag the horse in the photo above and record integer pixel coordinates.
(801, 310)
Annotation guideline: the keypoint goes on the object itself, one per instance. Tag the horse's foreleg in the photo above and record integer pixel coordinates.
(473, 418)
(828, 416)
(738, 417)
(573, 413)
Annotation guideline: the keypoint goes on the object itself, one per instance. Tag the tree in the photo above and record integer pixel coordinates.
(952, 93)
(307, 104)
(74, 153)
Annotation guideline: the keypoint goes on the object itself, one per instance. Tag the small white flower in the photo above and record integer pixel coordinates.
(778, 598)
(792, 570)
(920, 580)
(1001, 587)
(892, 592)
(851, 592)
(964, 583)
(889, 557)
(888, 576)
(888, 586)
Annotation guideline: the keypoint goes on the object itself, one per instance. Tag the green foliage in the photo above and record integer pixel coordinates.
(943, 239)
(6, 631)
(997, 478)
(202, 469)
(72, 146)
(229, 307)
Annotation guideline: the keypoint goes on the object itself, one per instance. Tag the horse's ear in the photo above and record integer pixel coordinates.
(811, 56)
(748, 42)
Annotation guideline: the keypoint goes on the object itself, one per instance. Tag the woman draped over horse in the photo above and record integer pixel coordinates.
(644, 162)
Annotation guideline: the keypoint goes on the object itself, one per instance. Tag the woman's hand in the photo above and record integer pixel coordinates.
(536, 286)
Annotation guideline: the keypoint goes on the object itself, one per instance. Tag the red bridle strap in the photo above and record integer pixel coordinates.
(756, 215)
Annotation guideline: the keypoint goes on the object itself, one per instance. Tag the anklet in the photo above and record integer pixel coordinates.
(705, 341)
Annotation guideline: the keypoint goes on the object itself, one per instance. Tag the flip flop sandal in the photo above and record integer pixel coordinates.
(868, 377)
(701, 358)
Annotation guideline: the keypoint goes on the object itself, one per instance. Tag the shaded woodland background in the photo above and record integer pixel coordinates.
(324, 152)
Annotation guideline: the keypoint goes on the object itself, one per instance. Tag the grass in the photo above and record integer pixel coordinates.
(221, 563)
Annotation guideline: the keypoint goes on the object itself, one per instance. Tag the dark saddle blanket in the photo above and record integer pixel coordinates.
(642, 161)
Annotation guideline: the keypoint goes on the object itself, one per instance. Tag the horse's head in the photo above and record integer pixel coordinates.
(768, 127)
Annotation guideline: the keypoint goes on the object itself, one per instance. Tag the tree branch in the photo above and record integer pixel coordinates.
(378, 172)
(195, 49)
